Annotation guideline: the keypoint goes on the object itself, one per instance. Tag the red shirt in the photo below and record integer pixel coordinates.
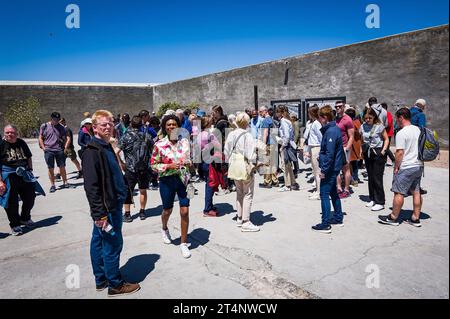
(345, 123)
(390, 127)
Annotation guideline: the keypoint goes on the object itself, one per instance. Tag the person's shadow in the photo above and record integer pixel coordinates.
(259, 219)
(198, 236)
(225, 209)
(407, 214)
(138, 267)
(150, 212)
(364, 198)
(43, 223)
(3, 235)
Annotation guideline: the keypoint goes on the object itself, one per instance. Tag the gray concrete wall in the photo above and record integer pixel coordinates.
(72, 101)
(397, 69)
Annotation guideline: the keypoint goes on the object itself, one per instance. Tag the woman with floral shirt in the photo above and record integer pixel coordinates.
(171, 160)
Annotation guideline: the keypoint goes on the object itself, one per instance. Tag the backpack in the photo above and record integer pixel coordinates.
(428, 145)
(143, 152)
(61, 140)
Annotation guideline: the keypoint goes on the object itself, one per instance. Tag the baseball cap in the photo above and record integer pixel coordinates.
(201, 113)
(421, 102)
(86, 121)
(55, 115)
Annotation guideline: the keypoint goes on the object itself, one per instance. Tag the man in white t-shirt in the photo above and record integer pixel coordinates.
(408, 170)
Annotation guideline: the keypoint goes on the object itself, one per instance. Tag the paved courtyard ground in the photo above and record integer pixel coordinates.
(284, 260)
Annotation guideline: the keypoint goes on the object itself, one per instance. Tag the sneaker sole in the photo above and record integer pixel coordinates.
(377, 210)
(390, 224)
(323, 231)
(124, 294)
(249, 231)
(415, 225)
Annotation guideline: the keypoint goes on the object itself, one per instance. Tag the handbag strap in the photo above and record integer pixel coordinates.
(237, 140)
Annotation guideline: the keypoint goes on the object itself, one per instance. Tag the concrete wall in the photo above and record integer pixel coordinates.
(397, 69)
(71, 100)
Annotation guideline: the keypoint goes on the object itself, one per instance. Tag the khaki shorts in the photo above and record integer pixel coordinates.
(70, 153)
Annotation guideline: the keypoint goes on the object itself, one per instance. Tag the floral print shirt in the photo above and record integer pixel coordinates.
(165, 153)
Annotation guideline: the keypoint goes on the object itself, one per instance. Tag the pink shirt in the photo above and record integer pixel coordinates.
(345, 123)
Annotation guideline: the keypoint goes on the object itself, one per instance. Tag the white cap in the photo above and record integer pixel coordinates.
(86, 121)
(421, 102)
(170, 112)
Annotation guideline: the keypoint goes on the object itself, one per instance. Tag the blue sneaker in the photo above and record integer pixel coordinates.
(321, 228)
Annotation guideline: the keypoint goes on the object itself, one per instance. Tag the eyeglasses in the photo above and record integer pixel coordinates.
(339, 106)
(105, 124)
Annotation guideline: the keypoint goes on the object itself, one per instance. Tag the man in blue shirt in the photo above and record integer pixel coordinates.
(255, 124)
(184, 120)
(270, 178)
(418, 117)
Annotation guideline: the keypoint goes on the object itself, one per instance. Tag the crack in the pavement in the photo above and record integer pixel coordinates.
(364, 255)
(250, 271)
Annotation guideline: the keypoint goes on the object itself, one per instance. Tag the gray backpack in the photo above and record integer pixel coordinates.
(428, 145)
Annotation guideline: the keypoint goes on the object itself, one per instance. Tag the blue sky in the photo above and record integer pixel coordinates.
(161, 41)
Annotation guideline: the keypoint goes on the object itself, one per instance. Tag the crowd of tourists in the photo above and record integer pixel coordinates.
(342, 144)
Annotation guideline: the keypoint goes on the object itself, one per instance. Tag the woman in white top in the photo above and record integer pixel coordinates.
(314, 140)
(288, 149)
(375, 142)
(240, 141)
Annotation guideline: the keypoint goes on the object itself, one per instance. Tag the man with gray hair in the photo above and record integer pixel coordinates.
(418, 117)
(16, 180)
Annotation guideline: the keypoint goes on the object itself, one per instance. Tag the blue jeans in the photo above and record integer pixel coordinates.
(328, 189)
(105, 251)
(354, 166)
(168, 187)
(209, 192)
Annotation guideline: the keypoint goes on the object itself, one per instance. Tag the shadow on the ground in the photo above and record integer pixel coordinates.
(406, 214)
(43, 223)
(301, 170)
(364, 198)
(198, 236)
(138, 267)
(224, 209)
(150, 212)
(259, 219)
(3, 235)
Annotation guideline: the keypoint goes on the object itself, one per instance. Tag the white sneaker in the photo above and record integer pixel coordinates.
(284, 189)
(249, 227)
(16, 231)
(238, 222)
(185, 250)
(370, 204)
(314, 196)
(166, 236)
(377, 208)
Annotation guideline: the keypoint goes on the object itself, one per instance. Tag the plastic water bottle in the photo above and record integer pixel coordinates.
(109, 229)
(190, 191)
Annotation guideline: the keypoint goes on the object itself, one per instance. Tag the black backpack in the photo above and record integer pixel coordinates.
(143, 152)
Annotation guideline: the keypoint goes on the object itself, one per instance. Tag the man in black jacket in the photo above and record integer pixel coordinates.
(106, 191)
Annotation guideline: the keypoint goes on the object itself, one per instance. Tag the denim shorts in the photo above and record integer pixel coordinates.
(52, 156)
(168, 187)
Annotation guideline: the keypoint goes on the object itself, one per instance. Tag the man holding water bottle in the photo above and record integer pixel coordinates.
(106, 192)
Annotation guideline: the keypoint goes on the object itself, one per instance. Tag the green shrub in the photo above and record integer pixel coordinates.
(167, 106)
(25, 115)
